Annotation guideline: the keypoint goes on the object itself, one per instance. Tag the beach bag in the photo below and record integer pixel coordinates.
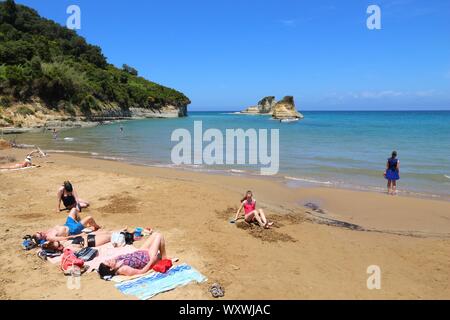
(162, 265)
(78, 240)
(69, 259)
(87, 254)
(129, 237)
(28, 243)
(117, 239)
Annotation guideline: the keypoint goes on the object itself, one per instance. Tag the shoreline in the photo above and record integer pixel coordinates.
(307, 191)
(289, 181)
(344, 173)
(77, 124)
(192, 210)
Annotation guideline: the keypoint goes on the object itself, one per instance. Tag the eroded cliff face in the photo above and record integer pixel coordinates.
(264, 106)
(285, 109)
(168, 111)
(35, 114)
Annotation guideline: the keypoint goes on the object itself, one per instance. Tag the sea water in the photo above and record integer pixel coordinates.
(333, 149)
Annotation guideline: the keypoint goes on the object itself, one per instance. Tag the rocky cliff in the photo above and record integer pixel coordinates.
(285, 109)
(51, 76)
(264, 106)
(35, 114)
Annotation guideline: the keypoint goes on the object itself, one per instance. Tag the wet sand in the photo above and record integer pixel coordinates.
(310, 254)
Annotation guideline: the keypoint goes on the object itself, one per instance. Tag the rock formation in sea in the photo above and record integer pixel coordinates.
(285, 109)
(264, 106)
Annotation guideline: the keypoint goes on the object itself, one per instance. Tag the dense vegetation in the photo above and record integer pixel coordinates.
(40, 58)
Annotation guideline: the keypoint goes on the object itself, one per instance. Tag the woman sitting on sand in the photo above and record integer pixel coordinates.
(392, 173)
(138, 262)
(69, 197)
(72, 228)
(251, 213)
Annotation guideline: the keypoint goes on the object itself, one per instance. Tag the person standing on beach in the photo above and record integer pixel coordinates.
(392, 173)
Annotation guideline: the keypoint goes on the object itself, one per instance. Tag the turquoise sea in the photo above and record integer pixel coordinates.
(335, 149)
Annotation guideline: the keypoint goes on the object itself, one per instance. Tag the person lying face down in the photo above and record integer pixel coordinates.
(27, 163)
(138, 262)
(89, 240)
(72, 228)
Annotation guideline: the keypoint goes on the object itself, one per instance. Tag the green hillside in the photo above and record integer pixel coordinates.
(40, 59)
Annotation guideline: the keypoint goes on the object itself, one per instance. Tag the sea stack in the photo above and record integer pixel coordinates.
(264, 106)
(285, 109)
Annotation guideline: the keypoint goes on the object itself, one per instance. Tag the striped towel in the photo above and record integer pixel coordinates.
(150, 285)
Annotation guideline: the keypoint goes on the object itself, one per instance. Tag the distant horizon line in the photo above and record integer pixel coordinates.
(325, 110)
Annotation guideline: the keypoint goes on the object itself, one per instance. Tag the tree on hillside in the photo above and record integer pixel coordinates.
(130, 70)
(10, 11)
(42, 59)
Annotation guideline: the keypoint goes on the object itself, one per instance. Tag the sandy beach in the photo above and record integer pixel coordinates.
(308, 255)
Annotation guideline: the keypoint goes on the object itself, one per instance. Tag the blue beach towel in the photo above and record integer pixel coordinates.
(150, 285)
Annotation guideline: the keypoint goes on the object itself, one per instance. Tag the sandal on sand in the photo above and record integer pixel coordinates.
(41, 254)
(217, 291)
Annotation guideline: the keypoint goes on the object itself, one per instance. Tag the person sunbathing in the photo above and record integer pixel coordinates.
(69, 198)
(87, 240)
(72, 228)
(251, 214)
(20, 165)
(138, 262)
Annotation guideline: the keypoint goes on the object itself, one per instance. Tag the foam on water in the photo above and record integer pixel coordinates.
(328, 183)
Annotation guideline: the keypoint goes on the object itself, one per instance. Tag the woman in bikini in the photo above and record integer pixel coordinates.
(138, 262)
(251, 213)
(72, 228)
(88, 240)
(25, 164)
(69, 198)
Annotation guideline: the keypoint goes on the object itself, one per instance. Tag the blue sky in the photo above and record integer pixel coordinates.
(227, 54)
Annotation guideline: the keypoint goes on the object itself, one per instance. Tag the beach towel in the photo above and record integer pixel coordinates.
(154, 283)
(120, 278)
(17, 169)
(105, 252)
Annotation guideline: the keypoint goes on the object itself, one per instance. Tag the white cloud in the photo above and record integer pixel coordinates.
(383, 94)
(288, 22)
